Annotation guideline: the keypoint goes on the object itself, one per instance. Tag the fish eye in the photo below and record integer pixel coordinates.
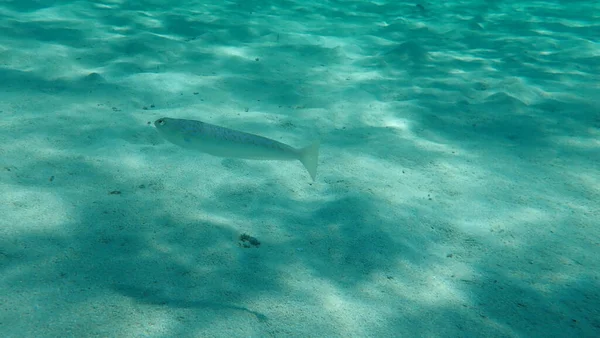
(161, 122)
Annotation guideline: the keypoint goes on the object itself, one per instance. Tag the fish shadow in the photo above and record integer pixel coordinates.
(157, 297)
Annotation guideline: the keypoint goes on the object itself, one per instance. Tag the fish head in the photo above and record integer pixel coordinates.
(172, 130)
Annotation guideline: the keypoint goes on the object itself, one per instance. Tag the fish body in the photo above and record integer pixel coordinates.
(225, 142)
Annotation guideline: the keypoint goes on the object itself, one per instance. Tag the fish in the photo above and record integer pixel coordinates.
(224, 142)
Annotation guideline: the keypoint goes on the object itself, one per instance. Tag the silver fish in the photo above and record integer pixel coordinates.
(225, 142)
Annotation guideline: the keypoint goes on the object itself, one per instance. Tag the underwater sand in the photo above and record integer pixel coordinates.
(457, 193)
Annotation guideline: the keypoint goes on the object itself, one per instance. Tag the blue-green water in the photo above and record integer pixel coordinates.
(457, 191)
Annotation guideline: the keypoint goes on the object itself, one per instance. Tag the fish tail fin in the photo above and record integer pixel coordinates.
(309, 156)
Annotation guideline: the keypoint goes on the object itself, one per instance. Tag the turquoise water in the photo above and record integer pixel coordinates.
(457, 189)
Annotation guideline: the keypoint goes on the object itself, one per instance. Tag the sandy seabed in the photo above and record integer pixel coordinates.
(457, 194)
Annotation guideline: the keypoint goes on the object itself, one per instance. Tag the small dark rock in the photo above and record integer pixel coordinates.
(247, 241)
